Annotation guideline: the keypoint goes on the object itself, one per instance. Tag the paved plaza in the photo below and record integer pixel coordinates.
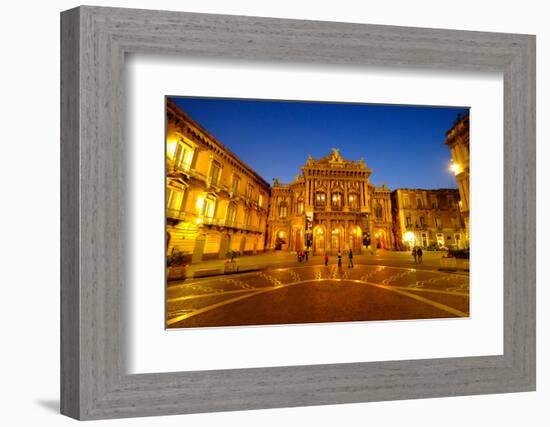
(384, 286)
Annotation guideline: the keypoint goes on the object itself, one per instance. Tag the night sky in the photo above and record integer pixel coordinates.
(403, 145)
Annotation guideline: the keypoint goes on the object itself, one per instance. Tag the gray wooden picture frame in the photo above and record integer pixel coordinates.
(94, 381)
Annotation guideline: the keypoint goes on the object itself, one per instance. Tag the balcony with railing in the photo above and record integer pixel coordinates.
(176, 214)
(178, 168)
(412, 227)
(223, 223)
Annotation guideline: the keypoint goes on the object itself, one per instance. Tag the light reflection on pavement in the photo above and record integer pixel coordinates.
(315, 293)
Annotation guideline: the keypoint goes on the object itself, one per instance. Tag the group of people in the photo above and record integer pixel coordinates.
(417, 254)
(303, 255)
(350, 259)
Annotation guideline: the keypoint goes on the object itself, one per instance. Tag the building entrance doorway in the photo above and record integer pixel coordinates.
(319, 241)
(337, 239)
(280, 240)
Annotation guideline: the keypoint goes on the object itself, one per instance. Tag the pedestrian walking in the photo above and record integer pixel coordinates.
(339, 259)
(307, 254)
(326, 260)
(419, 255)
(414, 254)
(350, 259)
(299, 254)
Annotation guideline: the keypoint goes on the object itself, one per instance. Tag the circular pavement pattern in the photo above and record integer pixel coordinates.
(313, 294)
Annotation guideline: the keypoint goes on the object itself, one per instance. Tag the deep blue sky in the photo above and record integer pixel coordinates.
(403, 145)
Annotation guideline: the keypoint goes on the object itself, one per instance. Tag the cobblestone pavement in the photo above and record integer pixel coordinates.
(316, 293)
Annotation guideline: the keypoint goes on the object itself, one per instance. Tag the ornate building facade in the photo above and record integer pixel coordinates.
(427, 218)
(326, 208)
(215, 203)
(458, 140)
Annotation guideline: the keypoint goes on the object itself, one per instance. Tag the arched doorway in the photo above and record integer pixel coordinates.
(380, 239)
(298, 239)
(319, 240)
(355, 239)
(281, 240)
(337, 239)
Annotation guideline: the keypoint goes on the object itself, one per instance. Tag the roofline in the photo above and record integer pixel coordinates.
(186, 116)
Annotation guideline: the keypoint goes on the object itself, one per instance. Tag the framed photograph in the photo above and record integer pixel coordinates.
(262, 213)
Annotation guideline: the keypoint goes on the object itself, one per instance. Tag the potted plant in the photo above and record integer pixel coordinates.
(176, 267)
(231, 264)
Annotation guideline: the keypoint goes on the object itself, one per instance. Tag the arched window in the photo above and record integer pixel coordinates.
(336, 201)
(378, 211)
(320, 199)
(353, 201)
(283, 210)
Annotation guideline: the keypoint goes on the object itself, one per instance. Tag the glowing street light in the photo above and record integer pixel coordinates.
(455, 168)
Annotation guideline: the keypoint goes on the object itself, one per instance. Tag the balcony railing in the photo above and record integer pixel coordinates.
(221, 222)
(416, 227)
(182, 167)
(176, 214)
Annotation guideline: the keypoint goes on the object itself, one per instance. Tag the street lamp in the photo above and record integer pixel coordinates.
(409, 237)
(454, 167)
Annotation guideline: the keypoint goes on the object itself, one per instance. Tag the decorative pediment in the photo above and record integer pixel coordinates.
(335, 160)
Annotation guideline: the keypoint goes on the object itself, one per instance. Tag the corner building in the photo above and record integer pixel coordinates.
(458, 141)
(428, 218)
(214, 201)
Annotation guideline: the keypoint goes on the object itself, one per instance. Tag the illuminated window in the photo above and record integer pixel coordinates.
(419, 202)
(174, 198)
(336, 201)
(320, 199)
(438, 222)
(422, 221)
(183, 155)
(408, 221)
(208, 206)
(260, 200)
